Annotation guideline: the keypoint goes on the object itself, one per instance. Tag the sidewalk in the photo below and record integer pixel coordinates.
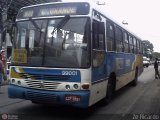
(6, 82)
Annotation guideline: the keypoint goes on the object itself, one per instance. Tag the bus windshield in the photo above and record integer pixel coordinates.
(58, 42)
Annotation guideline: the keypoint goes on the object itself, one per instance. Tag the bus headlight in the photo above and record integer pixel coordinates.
(85, 86)
(75, 86)
(19, 82)
(67, 87)
(13, 80)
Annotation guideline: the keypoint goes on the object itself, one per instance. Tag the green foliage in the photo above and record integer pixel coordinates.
(148, 49)
(148, 45)
(156, 55)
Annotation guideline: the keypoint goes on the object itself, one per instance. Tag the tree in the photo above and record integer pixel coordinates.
(147, 48)
(4, 6)
(156, 55)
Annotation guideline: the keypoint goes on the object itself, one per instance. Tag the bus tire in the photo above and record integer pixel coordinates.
(134, 82)
(110, 89)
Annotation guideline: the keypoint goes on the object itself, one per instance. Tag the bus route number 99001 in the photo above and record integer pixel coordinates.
(69, 72)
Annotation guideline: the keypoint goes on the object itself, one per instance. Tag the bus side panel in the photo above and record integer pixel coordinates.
(97, 91)
(110, 62)
(99, 83)
(129, 62)
(119, 63)
(122, 64)
(139, 63)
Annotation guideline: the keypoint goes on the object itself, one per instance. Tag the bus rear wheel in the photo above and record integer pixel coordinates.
(134, 82)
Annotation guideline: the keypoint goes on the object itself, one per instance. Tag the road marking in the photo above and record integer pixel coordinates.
(2, 106)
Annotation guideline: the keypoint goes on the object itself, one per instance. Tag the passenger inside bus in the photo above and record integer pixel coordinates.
(58, 40)
(70, 41)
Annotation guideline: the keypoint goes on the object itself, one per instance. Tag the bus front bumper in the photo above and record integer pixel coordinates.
(71, 98)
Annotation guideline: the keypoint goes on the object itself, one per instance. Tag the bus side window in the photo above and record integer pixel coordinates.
(110, 36)
(119, 39)
(126, 43)
(98, 36)
(135, 44)
(131, 44)
(138, 46)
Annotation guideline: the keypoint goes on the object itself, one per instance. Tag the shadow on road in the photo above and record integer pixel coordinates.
(42, 112)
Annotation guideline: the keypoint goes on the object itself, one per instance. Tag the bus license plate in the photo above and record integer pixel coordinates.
(72, 98)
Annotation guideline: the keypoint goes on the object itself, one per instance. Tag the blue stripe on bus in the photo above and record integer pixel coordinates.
(71, 75)
(49, 97)
(120, 63)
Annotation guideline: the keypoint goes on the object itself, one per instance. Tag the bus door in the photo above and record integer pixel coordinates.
(98, 51)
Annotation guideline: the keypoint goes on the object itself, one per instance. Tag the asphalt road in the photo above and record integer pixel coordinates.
(140, 102)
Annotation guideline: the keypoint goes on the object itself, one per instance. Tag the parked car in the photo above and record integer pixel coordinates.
(146, 62)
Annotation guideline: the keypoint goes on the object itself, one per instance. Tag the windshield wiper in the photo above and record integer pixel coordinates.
(34, 24)
(61, 24)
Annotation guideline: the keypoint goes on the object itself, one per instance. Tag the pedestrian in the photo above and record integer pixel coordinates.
(1, 70)
(156, 69)
(3, 56)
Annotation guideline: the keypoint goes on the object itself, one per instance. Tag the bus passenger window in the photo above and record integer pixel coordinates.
(131, 44)
(119, 39)
(126, 47)
(138, 47)
(135, 45)
(110, 36)
(98, 36)
(98, 43)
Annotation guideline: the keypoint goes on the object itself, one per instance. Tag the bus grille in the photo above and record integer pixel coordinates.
(37, 84)
(44, 77)
(41, 97)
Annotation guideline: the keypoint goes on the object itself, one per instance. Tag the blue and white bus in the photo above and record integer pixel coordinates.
(70, 53)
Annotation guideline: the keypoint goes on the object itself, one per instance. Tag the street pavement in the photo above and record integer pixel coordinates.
(140, 102)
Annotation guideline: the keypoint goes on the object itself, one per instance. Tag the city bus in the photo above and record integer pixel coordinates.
(71, 54)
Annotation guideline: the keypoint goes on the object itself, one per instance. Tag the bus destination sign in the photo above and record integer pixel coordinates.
(57, 11)
(49, 10)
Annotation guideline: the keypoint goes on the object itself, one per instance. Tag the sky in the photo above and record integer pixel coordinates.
(142, 16)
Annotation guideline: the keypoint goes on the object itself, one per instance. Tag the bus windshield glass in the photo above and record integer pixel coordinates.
(58, 42)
